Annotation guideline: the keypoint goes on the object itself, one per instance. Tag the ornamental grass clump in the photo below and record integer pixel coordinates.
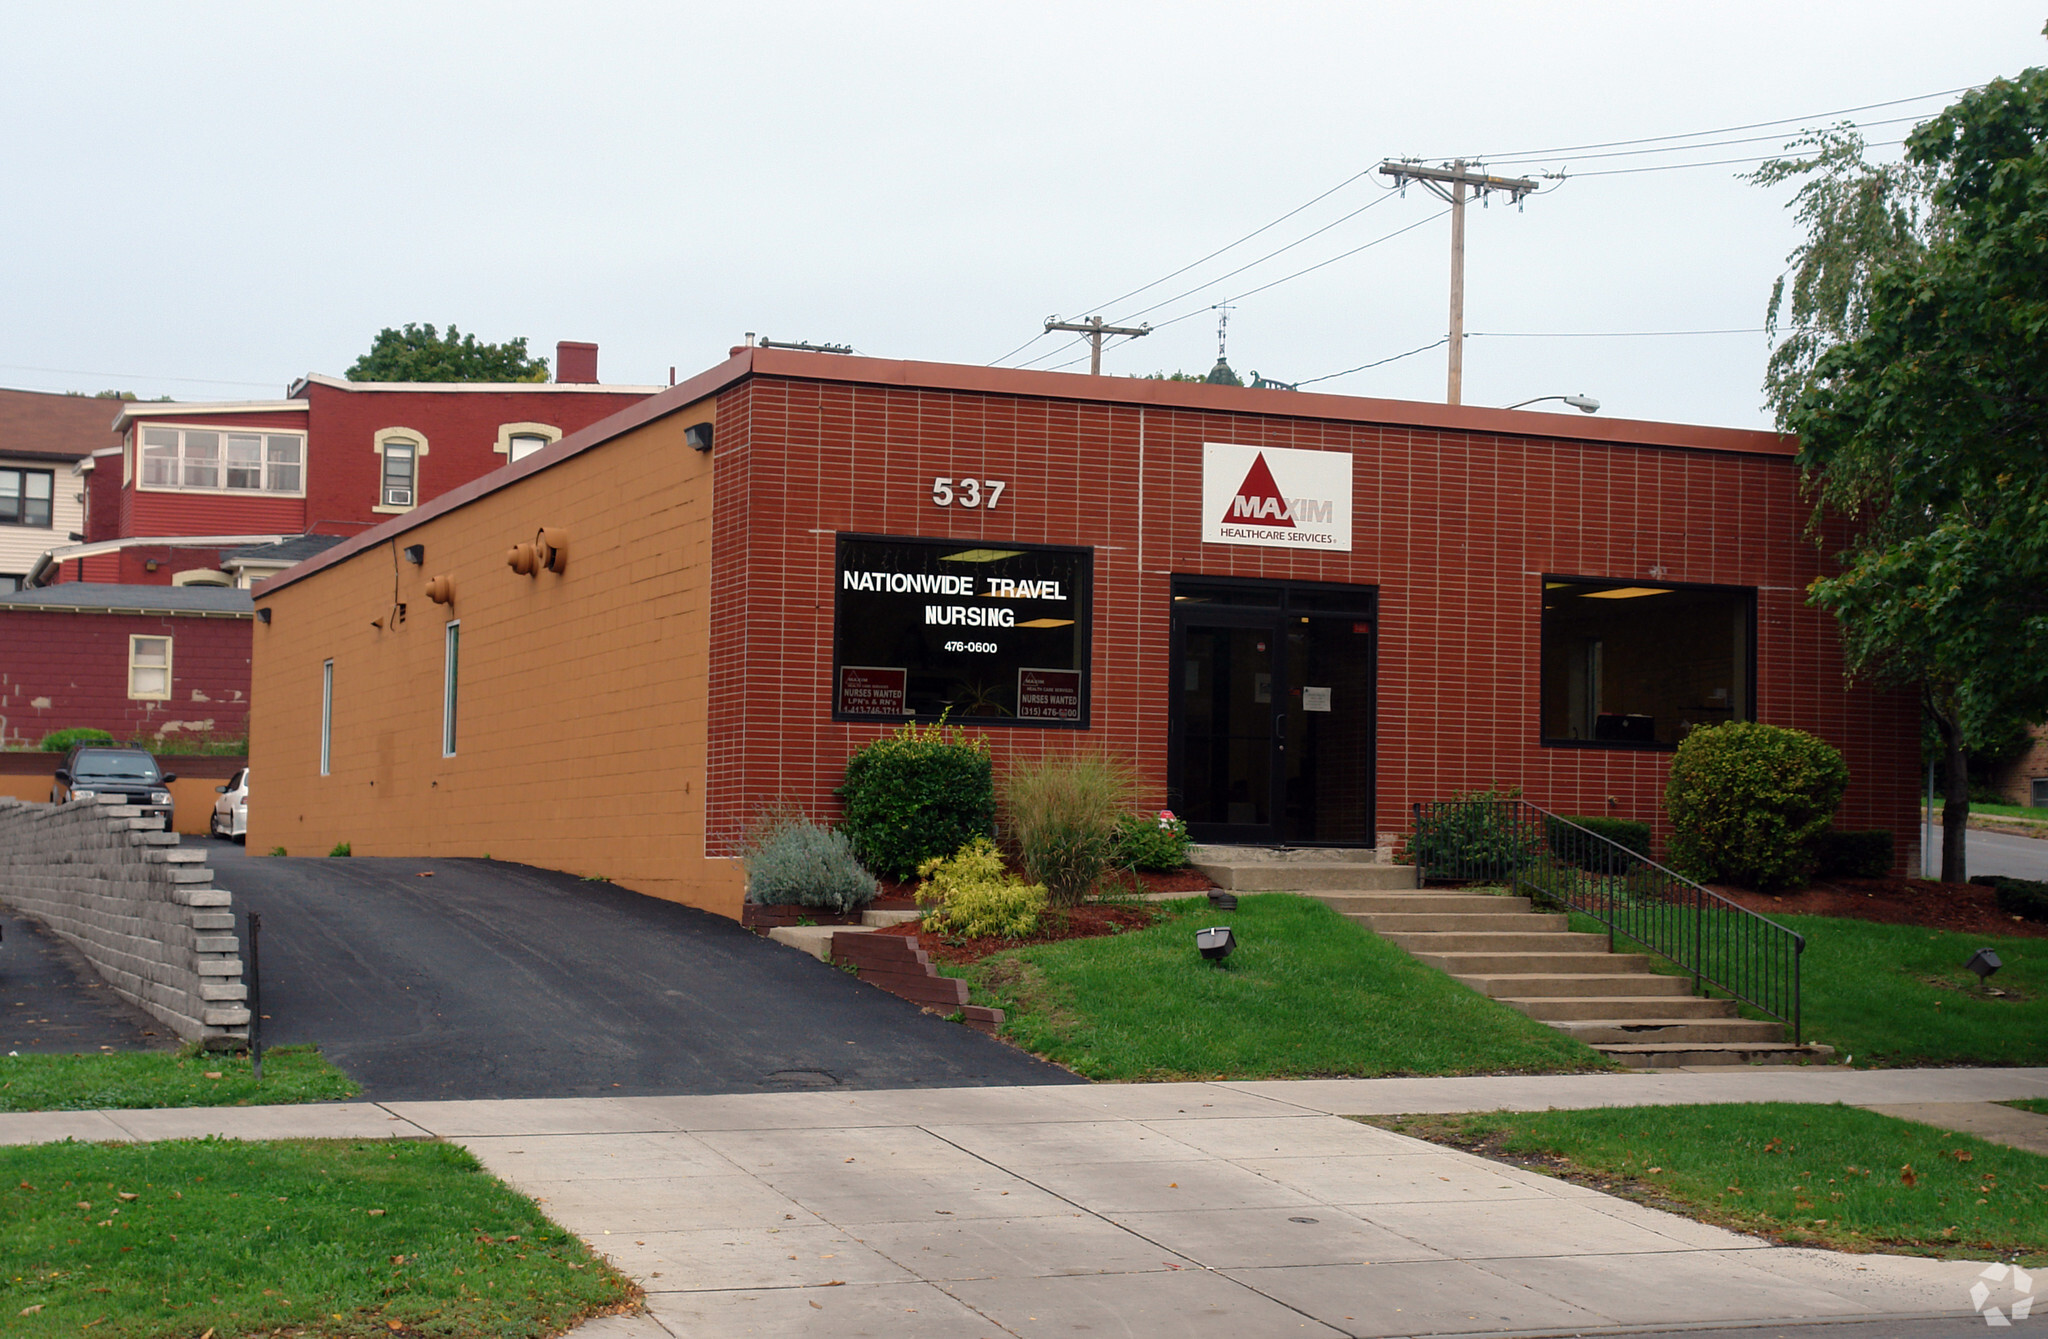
(1748, 803)
(792, 861)
(971, 894)
(1062, 817)
(921, 792)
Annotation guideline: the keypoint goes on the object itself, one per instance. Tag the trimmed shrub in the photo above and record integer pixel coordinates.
(1748, 801)
(63, 741)
(796, 862)
(1151, 841)
(1473, 837)
(1597, 857)
(2025, 898)
(1063, 816)
(1853, 855)
(922, 792)
(970, 893)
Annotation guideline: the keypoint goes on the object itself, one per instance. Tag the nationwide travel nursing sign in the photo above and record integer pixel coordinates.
(1276, 497)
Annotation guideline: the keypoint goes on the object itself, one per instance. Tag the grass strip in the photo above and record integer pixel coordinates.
(1797, 1173)
(2008, 811)
(1898, 995)
(316, 1237)
(168, 1079)
(1306, 994)
(2037, 1105)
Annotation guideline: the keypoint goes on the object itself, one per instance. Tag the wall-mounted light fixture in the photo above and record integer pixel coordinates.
(416, 554)
(150, 565)
(698, 435)
(441, 589)
(263, 614)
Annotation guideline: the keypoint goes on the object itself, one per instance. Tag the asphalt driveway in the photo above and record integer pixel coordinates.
(480, 979)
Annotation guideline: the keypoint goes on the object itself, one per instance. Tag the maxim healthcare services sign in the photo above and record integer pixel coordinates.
(1276, 497)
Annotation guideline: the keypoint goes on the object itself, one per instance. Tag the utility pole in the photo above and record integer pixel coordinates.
(1456, 178)
(1095, 330)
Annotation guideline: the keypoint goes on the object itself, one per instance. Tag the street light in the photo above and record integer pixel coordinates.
(1585, 404)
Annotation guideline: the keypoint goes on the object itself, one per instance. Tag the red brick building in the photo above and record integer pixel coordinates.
(1298, 614)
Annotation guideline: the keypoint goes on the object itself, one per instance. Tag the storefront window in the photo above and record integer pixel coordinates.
(990, 633)
(1626, 663)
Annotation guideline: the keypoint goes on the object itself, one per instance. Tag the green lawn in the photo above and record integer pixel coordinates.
(1306, 993)
(2004, 811)
(2037, 1105)
(1797, 1173)
(311, 1237)
(167, 1079)
(1897, 995)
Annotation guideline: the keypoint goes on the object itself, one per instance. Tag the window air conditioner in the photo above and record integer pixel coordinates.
(398, 497)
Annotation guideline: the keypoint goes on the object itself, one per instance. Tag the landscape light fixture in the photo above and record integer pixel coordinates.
(1585, 404)
(1983, 962)
(1215, 943)
(1221, 900)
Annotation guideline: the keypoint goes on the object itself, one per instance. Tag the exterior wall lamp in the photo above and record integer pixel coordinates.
(1585, 404)
(698, 436)
(416, 554)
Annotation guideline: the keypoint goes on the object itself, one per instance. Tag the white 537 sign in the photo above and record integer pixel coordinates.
(1276, 497)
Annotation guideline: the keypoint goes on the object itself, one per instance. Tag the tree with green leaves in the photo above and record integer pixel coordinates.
(420, 353)
(1922, 414)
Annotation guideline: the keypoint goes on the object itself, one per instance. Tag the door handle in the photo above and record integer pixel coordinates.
(1280, 730)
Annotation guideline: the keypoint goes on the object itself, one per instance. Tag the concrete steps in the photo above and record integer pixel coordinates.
(1529, 960)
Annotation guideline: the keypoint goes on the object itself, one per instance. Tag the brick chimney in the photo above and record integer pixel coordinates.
(576, 363)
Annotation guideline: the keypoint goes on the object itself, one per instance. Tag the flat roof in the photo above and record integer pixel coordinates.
(144, 409)
(473, 387)
(1139, 392)
(93, 597)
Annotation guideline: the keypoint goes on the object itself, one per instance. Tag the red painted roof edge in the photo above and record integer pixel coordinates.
(798, 365)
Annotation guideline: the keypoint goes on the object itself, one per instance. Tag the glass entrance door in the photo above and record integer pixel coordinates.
(1273, 712)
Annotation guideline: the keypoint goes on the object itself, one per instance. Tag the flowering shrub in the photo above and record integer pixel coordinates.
(1152, 841)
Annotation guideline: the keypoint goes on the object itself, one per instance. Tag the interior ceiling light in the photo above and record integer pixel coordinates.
(1048, 623)
(1626, 592)
(982, 555)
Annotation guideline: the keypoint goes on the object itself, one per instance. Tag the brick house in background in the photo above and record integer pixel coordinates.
(144, 662)
(43, 440)
(180, 484)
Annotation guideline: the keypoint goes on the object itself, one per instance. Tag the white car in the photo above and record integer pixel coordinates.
(231, 810)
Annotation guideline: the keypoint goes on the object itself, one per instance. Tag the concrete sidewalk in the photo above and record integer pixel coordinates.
(1220, 1208)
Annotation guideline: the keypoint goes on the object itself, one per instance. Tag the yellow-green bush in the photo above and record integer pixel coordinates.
(971, 894)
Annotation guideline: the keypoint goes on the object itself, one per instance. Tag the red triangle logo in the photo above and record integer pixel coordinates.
(1258, 500)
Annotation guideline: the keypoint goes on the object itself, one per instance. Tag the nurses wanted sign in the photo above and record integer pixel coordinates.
(1276, 497)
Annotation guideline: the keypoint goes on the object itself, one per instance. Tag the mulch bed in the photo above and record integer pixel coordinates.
(1090, 921)
(1967, 908)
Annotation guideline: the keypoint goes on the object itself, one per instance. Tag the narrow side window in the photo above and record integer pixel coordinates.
(326, 716)
(448, 682)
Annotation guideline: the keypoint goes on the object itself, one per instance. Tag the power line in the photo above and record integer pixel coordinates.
(1723, 130)
(1718, 162)
(1607, 334)
(1362, 367)
(1707, 144)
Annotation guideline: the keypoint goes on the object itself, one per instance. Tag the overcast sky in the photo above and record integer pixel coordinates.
(208, 201)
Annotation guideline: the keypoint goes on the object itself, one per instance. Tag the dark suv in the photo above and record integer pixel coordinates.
(96, 769)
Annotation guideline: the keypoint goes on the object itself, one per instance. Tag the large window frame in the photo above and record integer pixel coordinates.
(236, 462)
(1051, 689)
(142, 662)
(1743, 685)
(18, 497)
(391, 444)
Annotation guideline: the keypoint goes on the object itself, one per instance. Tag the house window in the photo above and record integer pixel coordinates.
(211, 460)
(326, 716)
(25, 497)
(1627, 664)
(449, 667)
(149, 668)
(398, 472)
(517, 441)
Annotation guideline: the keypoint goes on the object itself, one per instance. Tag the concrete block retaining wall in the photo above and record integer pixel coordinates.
(140, 907)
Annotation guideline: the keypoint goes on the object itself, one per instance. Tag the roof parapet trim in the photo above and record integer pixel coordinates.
(471, 387)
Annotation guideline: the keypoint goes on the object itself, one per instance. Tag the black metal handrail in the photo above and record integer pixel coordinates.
(1718, 942)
